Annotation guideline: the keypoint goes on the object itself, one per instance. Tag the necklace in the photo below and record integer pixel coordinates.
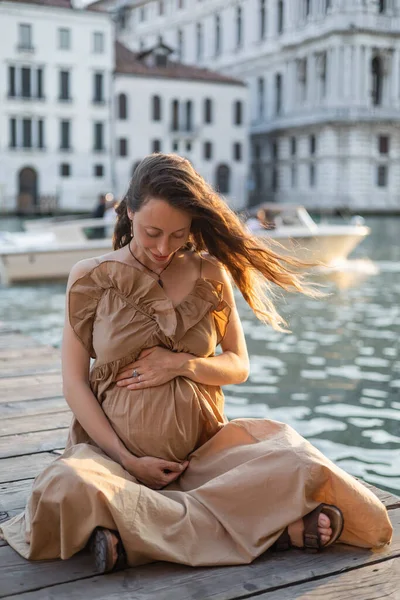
(159, 280)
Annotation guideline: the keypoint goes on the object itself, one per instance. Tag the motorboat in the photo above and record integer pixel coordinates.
(50, 251)
(327, 244)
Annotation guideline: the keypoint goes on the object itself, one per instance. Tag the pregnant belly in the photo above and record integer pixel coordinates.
(167, 421)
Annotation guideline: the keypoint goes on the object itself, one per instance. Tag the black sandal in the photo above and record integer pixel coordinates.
(311, 537)
(102, 546)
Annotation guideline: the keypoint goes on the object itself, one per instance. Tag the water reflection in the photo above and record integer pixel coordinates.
(335, 377)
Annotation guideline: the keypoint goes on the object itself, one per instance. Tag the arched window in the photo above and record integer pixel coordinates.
(377, 80)
(261, 97)
(263, 19)
(156, 108)
(175, 115)
(189, 115)
(238, 112)
(122, 107)
(208, 110)
(199, 41)
(180, 44)
(223, 176)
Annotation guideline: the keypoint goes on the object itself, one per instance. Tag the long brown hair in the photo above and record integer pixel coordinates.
(215, 229)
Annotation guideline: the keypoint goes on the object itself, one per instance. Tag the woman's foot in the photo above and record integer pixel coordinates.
(296, 531)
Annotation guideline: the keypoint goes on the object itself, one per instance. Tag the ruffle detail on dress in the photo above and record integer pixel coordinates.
(142, 292)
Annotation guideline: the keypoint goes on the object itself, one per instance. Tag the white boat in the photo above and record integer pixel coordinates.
(328, 244)
(50, 252)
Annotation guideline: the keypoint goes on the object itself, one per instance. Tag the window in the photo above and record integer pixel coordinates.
(382, 6)
(275, 179)
(278, 93)
(11, 82)
(39, 83)
(261, 99)
(217, 35)
(181, 4)
(142, 14)
(156, 146)
(302, 66)
(27, 133)
(377, 81)
(40, 133)
(382, 176)
(238, 112)
(256, 151)
(293, 146)
(189, 115)
(199, 41)
(156, 108)
(25, 37)
(98, 171)
(207, 110)
(239, 27)
(188, 146)
(383, 143)
(123, 147)
(307, 8)
(175, 146)
(175, 115)
(223, 179)
(161, 7)
(313, 144)
(65, 170)
(122, 107)
(65, 135)
(293, 176)
(328, 5)
(64, 85)
(98, 82)
(275, 150)
(13, 133)
(207, 151)
(312, 175)
(64, 38)
(321, 73)
(26, 83)
(237, 151)
(280, 23)
(263, 20)
(98, 42)
(180, 43)
(98, 136)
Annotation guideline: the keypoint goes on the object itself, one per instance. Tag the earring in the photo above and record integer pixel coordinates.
(131, 227)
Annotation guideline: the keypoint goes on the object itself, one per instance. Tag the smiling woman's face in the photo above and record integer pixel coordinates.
(159, 230)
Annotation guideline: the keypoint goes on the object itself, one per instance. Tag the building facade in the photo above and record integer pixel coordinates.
(56, 71)
(324, 81)
(164, 106)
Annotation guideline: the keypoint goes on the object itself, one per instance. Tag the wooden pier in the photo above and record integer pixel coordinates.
(34, 420)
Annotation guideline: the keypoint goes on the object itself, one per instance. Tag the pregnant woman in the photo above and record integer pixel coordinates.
(152, 469)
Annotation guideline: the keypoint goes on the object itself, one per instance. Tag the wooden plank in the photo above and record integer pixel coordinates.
(15, 389)
(32, 407)
(26, 424)
(374, 582)
(29, 443)
(176, 582)
(27, 361)
(13, 496)
(24, 467)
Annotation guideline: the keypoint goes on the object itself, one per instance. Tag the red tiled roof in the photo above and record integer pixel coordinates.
(56, 3)
(127, 62)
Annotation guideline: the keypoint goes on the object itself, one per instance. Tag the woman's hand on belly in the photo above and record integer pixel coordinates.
(155, 366)
(155, 473)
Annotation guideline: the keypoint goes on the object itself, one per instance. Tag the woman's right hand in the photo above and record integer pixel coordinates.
(155, 473)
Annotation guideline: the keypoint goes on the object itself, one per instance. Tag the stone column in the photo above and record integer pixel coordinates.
(367, 76)
(357, 76)
(395, 78)
(333, 76)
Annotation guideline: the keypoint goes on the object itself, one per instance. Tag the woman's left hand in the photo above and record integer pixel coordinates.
(154, 366)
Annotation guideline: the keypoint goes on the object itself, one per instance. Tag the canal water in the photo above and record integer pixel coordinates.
(335, 377)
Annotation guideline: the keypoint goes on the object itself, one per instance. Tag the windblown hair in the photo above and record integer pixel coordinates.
(215, 229)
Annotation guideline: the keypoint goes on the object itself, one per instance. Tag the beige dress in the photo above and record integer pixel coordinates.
(246, 481)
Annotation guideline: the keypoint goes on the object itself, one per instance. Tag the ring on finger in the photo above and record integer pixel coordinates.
(135, 373)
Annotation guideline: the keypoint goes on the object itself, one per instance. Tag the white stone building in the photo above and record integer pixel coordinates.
(164, 106)
(324, 80)
(56, 67)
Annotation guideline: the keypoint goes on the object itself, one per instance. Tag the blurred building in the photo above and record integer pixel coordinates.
(56, 67)
(165, 106)
(324, 78)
